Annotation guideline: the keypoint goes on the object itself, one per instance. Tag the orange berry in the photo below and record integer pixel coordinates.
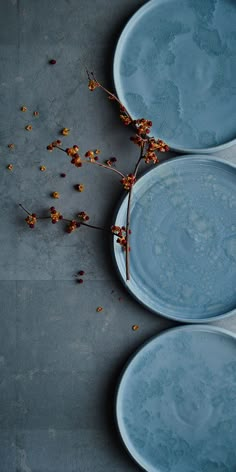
(99, 308)
(135, 327)
(55, 195)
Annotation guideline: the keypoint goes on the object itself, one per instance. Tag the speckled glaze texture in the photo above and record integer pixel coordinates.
(183, 242)
(176, 402)
(175, 64)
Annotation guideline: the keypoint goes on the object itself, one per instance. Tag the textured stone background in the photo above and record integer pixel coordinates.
(59, 359)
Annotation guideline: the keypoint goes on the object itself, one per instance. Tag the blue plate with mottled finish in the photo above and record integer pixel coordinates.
(183, 241)
(176, 402)
(175, 64)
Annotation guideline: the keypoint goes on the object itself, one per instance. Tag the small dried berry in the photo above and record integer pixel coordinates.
(24, 109)
(99, 308)
(11, 146)
(79, 187)
(80, 281)
(42, 168)
(36, 113)
(63, 175)
(29, 127)
(50, 147)
(81, 272)
(65, 131)
(52, 61)
(135, 327)
(55, 195)
(10, 167)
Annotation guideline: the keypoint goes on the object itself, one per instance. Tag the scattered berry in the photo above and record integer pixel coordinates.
(11, 146)
(52, 61)
(10, 167)
(56, 195)
(80, 281)
(42, 168)
(36, 113)
(24, 109)
(79, 187)
(65, 131)
(135, 327)
(50, 147)
(29, 127)
(99, 308)
(81, 272)
(63, 175)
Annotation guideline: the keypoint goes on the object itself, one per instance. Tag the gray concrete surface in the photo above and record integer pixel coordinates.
(60, 359)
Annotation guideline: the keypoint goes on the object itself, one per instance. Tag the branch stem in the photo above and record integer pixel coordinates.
(127, 255)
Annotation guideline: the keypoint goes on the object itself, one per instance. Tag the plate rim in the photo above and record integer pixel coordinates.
(166, 332)
(115, 71)
(115, 246)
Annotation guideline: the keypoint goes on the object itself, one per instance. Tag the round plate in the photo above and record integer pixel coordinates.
(183, 241)
(175, 64)
(176, 402)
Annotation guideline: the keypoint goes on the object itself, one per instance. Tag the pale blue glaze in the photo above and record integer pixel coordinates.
(183, 241)
(176, 402)
(175, 64)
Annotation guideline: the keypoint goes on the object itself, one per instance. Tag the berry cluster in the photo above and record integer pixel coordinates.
(31, 220)
(121, 232)
(55, 215)
(72, 226)
(83, 216)
(54, 144)
(143, 126)
(128, 181)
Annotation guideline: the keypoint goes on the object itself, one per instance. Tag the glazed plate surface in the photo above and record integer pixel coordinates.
(175, 64)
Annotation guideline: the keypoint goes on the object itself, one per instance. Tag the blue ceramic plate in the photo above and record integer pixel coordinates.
(176, 402)
(175, 64)
(183, 241)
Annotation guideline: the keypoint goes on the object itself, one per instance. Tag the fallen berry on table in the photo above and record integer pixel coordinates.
(79, 187)
(99, 308)
(24, 109)
(135, 327)
(42, 168)
(50, 147)
(10, 167)
(80, 281)
(56, 195)
(11, 146)
(65, 131)
(36, 113)
(52, 61)
(29, 127)
(63, 175)
(81, 272)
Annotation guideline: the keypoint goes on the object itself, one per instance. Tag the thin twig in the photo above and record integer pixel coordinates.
(23, 208)
(107, 167)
